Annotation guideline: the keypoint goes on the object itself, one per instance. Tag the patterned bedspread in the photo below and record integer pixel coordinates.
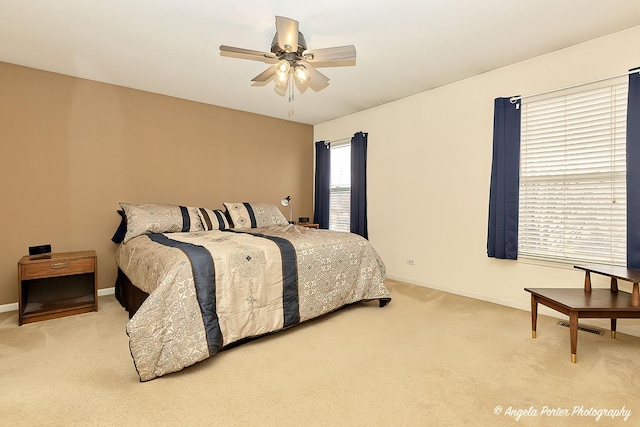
(212, 288)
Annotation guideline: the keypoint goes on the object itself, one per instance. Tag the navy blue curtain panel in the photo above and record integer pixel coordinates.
(633, 170)
(359, 184)
(502, 238)
(322, 185)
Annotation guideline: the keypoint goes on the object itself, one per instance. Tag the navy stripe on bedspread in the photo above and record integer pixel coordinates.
(290, 304)
(204, 278)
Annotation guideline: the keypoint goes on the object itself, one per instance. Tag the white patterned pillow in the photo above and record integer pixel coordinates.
(254, 215)
(159, 218)
(213, 219)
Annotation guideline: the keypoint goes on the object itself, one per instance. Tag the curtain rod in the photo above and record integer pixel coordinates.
(515, 99)
(338, 141)
(341, 140)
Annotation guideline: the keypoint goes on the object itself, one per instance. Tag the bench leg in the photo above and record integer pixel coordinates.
(613, 327)
(534, 316)
(587, 281)
(614, 288)
(573, 333)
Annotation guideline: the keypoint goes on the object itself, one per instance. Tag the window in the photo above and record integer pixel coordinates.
(573, 177)
(340, 189)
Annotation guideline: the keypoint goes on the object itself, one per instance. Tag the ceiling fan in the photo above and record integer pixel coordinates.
(290, 55)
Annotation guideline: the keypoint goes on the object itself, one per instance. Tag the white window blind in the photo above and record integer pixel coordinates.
(573, 177)
(340, 190)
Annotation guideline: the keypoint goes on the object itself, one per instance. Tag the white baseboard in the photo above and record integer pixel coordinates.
(600, 323)
(14, 305)
(106, 291)
(9, 307)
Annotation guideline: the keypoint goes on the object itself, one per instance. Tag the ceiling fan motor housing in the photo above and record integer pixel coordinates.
(280, 53)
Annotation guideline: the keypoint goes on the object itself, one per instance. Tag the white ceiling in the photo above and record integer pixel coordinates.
(403, 46)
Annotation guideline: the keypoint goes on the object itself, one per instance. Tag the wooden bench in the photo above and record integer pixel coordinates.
(590, 303)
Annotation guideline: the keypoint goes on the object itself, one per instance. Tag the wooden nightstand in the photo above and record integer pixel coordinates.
(309, 225)
(62, 285)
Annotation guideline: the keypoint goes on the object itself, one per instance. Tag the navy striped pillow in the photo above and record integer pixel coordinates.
(213, 219)
(159, 218)
(254, 215)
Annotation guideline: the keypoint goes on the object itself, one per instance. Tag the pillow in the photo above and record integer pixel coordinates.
(118, 236)
(159, 218)
(254, 215)
(213, 219)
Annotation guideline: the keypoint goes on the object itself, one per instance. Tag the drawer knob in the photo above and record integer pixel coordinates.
(59, 265)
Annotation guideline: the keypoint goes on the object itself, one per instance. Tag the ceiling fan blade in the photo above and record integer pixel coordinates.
(287, 30)
(248, 52)
(265, 75)
(316, 78)
(340, 53)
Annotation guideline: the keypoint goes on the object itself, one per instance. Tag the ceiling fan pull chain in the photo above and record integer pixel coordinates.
(292, 95)
(290, 89)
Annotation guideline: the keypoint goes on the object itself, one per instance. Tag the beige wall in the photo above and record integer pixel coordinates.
(429, 165)
(72, 149)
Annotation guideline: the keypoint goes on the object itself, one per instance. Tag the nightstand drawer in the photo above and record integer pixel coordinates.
(57, 267)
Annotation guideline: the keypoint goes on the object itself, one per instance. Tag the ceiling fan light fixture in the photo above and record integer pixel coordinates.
(282, 72)
(283, 67)
(282, 79)
(301, 73)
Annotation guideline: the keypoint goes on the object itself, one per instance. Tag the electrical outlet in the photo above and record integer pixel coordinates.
(411, 261)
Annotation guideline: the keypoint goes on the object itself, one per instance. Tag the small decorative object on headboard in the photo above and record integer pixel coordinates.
(303, 220)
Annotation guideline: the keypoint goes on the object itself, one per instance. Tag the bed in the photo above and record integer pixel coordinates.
(196, 281)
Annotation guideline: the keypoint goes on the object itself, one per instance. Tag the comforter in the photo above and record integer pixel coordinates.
(210, 289)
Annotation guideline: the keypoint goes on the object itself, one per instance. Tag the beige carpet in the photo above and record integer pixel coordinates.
(429, 358)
